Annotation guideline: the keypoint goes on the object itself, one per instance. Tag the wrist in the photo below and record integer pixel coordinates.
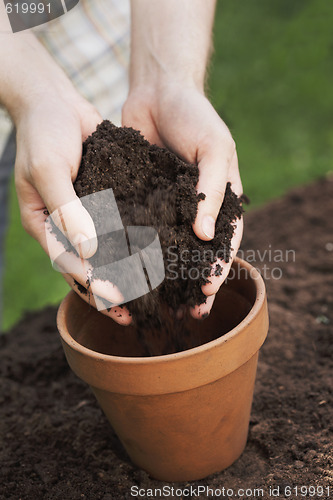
(29, 75)
(148, 72)
(163, 95)
(44, 93)
(170, 43)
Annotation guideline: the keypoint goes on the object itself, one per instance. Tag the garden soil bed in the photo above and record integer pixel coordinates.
(57, 444)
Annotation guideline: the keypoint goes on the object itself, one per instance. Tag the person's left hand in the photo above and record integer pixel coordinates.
(183, 120)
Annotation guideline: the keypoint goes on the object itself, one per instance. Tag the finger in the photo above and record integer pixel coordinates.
(136, 114)
(107, 290)
(81, 270)
(234, 177)
(217, 280)
(74, 221)
(213, 174)
(37, 222)
(202, 310)
(120, 315)
(52, 179)
(90, 118)
(64, 260)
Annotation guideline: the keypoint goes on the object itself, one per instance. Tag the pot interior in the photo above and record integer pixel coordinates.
(101, 334)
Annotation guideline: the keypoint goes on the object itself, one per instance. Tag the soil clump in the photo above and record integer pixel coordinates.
(154, 188)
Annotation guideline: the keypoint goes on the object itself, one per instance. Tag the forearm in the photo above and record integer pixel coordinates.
(170, 41)
(27, 70)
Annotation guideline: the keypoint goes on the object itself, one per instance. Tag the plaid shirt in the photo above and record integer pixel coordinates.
(91, 43)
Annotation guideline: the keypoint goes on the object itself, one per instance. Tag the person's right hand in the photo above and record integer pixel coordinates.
(50, 130)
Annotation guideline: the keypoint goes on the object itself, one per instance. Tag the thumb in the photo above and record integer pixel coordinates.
(213, 176)
(67, 211)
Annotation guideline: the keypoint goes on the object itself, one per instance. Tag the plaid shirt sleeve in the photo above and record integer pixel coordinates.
(91, 43)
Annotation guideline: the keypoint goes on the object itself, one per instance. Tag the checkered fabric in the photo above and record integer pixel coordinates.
(91, 43)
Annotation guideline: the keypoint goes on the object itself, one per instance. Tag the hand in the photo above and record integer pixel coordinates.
(183, 120)
(51, 121)
(50, 132)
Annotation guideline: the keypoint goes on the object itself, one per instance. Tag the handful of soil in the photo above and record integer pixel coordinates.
(153, 187)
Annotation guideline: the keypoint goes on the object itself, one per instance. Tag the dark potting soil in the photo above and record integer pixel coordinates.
(57, 444)
(155, 188)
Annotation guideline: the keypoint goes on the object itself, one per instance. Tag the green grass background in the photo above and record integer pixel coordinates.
(271, 81)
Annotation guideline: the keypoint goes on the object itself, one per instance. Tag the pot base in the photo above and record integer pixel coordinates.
(180, 416)
(185, 449)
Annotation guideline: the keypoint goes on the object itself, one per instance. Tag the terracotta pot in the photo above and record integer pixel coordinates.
(180, 416)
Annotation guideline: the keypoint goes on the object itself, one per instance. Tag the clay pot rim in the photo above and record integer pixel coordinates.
(258, 303)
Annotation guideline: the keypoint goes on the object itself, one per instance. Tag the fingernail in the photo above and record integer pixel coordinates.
(107, 290)
(208, 226)
(82, 245)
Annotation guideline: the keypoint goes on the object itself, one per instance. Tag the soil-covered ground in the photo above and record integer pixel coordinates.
(57, 444)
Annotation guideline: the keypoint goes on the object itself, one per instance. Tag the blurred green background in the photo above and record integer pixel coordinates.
(271, 81)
